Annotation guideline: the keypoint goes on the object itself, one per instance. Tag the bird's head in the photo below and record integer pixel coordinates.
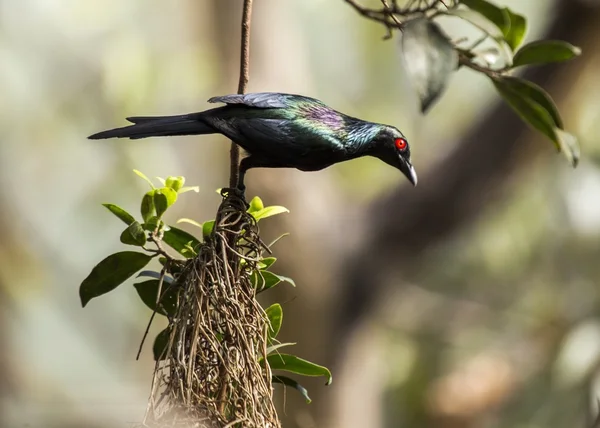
(392, 147)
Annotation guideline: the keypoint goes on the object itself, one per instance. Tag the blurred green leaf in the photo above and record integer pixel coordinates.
(269, 211)
(110, 273)
(498, 16)
(568, 146)
(156, 275)
(284, 380)
(263, 280)
(162, 180)
(287, 279)
(207, 228)
(429, 58)
(160, 202)
(147, 208)
(537, 109)
(525, 89)
(267, 262)
(545, 51)
(297, 365)
(190, 221)
(152, 223)
(274, 348)
(143, 176)
(148, 291)
(134, 234)
(121, 213)
(163, 199)
(476, 19)
(256, 204)
(275, 316)
(529, 110)
(179, 239)
(518, 27)
(175, 183)
(189, 189)
(161, 343)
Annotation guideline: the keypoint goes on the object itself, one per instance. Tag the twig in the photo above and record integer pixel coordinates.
(234, 154)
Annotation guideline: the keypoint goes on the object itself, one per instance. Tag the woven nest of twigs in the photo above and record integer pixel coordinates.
(210, 375)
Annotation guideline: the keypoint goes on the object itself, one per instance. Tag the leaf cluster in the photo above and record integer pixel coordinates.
(158, 290)
(431, 57)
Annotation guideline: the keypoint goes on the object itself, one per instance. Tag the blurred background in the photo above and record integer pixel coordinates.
(472, 300)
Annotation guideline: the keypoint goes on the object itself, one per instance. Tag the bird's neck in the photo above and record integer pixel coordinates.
(360, 135)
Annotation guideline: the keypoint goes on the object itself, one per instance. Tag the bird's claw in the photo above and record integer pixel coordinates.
(236, 191)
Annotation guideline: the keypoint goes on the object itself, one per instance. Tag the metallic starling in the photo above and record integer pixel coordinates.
(281, 131)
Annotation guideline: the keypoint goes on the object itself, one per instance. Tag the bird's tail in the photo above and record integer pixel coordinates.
(157, 126)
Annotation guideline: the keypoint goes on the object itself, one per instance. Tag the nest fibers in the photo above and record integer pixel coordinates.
(210, 374)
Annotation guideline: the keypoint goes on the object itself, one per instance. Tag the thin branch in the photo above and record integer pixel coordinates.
(234, 154)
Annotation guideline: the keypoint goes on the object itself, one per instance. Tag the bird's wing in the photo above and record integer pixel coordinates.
(259, 100)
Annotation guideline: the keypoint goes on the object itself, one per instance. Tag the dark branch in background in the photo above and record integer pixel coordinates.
(453, 192)
(243, 84)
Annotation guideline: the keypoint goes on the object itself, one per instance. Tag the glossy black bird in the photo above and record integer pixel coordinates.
(282, 131)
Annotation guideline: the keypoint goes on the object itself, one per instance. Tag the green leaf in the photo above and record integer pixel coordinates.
(526, 89)
(488, 28)
(120, 212)
(170, 194)
(267, 262)
(189, 189)
(175, 183)
(537, 109)
(162, 180)
(269, 211)
(284, 380)
(160, 202)
(568, 146)
(429, 58)
(275, 316)
(161, 343)
(287, 279)
(148, 290)
(152, 223)
(163, 199)
(207, 228)
(545, 51)
(190, 221)
(147, 209)
(518, 27)
(179, 240)
(110, 273)
(134, 234)
(256, 204)
(263, 280)
(479, 21)
(156, 275)
(498, 16)
(297, 365)
(143, 176)
(274, 348)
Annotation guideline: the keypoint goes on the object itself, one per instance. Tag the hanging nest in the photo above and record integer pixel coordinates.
(209, 374)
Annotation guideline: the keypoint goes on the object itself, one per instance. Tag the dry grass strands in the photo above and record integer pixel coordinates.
(210, 375)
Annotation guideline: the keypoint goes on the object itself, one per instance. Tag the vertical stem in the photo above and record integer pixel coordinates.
(234, 155)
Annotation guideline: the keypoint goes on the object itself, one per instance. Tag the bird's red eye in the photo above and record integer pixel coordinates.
(401, 143)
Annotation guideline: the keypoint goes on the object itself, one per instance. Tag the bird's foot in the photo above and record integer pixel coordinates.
(235, 192)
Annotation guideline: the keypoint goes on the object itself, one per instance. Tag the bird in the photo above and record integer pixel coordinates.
(278, 130)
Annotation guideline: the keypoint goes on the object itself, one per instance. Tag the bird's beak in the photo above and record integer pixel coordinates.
(408, 170)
